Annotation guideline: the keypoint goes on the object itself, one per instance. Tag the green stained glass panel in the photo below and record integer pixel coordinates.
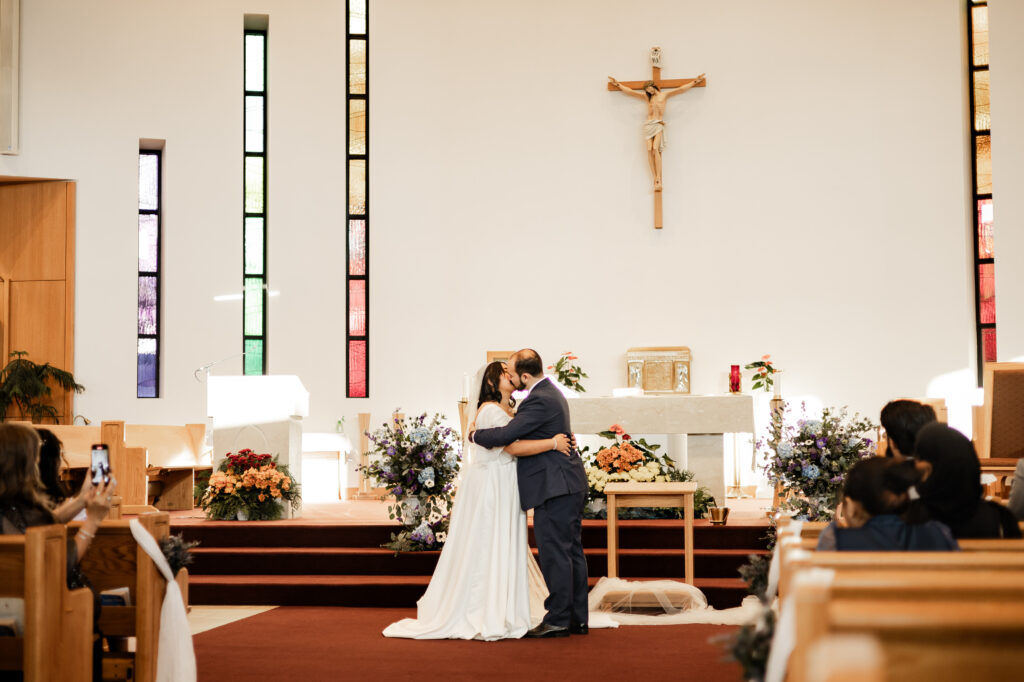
(357, 126)
(253, 356)
(254, 123)
(254, 184)
(357, 186)
(255, 50)
(357, 67)
(979, 37)
(252, 325)
(254, 246)
(357, 16)
(983, 160)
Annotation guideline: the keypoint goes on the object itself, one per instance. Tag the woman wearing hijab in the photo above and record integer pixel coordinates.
(951, 486)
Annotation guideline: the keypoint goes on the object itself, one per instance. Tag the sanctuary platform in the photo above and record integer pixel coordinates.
(332, 556)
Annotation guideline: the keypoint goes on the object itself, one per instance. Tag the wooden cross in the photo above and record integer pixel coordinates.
(672, 86)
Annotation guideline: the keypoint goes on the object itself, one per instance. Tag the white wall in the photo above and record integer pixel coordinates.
(815, 198)
(1006, 32)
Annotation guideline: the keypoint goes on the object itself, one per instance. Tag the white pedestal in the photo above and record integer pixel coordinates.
(697, 421)
(263, 413)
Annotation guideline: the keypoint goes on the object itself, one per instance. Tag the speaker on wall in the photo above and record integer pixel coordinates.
(9, 29)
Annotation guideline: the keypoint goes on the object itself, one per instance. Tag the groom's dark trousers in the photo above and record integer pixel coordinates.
(555, 487)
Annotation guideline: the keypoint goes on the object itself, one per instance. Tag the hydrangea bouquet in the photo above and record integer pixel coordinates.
(809, 459)
(628, 459)
(417, 461)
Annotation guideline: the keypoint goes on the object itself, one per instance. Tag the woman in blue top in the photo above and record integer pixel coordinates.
(875, 494)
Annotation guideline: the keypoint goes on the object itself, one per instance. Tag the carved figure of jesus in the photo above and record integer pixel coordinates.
(654, 126)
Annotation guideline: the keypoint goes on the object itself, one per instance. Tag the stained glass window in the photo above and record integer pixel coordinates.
(358, 224)
(147, 376)
(982, 229)
(254, 204)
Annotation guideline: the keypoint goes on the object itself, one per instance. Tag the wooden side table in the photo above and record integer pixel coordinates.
(649, 495)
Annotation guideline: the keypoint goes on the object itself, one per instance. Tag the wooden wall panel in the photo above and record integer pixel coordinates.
(37, 323)
(33, 222)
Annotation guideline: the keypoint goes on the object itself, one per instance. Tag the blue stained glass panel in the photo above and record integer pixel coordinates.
(146, 374)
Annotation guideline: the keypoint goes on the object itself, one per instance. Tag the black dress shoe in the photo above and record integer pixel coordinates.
(547, 630)
(579, 629)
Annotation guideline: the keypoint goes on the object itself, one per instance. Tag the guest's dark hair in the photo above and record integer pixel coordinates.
(902, 419)
(880, 484)
(490, 387)
(50, 458)
(527, 361)
(952, 491)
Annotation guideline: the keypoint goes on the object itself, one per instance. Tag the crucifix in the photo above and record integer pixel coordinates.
(656, 91)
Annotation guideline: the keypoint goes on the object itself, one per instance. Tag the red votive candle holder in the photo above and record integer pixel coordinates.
(734, 379)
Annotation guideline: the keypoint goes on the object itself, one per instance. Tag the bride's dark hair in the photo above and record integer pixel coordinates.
(490, 387)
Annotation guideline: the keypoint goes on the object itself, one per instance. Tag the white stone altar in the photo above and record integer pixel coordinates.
(697, 423)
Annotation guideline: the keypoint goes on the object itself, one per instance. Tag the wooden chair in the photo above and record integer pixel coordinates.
(116, 560)
(58, 631)
(917, 617)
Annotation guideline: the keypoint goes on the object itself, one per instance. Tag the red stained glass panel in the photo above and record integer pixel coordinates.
(357, 247)
(987, 293)
(985, 246)
(988, 345)
(357, 369)
(357, 307)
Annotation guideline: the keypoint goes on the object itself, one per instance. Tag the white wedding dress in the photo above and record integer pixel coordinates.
(487, 585)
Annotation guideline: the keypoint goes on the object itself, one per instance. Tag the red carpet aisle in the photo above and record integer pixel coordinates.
(330, 643)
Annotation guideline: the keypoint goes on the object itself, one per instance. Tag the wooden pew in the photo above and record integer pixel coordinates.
(58, 632)
(966, 545)
(919, 618)
(116, 560)
(796, 560)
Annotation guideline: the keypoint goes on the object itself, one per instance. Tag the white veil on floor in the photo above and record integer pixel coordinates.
(615, 601)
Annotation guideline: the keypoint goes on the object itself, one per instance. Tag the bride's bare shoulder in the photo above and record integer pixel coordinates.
(483, 407)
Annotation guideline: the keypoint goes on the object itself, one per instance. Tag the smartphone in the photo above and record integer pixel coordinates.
(100, 464)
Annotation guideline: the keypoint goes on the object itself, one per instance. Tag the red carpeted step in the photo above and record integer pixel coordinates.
(667, 563)
(371, 590)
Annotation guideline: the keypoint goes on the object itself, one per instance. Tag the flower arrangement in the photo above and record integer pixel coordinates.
(418, 462)
(763, 375)
(810, 459)
(628, 459)
(569, 374)
(250, 486)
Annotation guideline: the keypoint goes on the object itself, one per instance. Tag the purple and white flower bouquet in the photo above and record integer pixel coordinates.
(810, 458)
(417, 460)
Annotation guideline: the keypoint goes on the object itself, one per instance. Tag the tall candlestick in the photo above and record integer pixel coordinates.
(465, 387)
(778, 385)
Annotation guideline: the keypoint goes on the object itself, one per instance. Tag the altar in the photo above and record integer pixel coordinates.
(698, 422)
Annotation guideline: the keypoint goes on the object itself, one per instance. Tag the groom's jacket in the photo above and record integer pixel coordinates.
(544, 414)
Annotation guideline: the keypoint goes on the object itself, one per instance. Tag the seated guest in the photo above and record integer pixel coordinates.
(51, 463)
(1017, 491)
(902, 419)
(23, 503)
(875, 493)
(950, 487)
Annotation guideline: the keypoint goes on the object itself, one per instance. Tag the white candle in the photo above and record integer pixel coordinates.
(778, 384)
(465, 387)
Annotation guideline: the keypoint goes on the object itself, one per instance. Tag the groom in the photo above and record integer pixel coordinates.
(555, 487)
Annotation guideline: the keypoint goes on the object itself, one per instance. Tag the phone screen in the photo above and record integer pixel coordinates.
(100, 464)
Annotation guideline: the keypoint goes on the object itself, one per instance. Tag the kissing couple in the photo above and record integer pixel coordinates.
(487, 585)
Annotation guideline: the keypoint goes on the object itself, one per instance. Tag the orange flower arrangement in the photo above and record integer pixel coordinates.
(622, 457)
(253, 486)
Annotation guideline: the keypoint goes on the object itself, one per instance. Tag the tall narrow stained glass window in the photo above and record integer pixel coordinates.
(981, 155)
(357, 295)
(254, 205)
(148, 349)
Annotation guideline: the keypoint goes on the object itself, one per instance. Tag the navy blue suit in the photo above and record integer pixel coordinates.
(555, 487)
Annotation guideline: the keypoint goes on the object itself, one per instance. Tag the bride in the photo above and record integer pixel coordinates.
(487, 585)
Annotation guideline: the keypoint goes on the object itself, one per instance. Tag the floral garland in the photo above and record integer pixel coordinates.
(417, 461)
(254, 484)
(809, 460)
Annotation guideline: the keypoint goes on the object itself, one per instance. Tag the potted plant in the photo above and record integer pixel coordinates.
(26, 385)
